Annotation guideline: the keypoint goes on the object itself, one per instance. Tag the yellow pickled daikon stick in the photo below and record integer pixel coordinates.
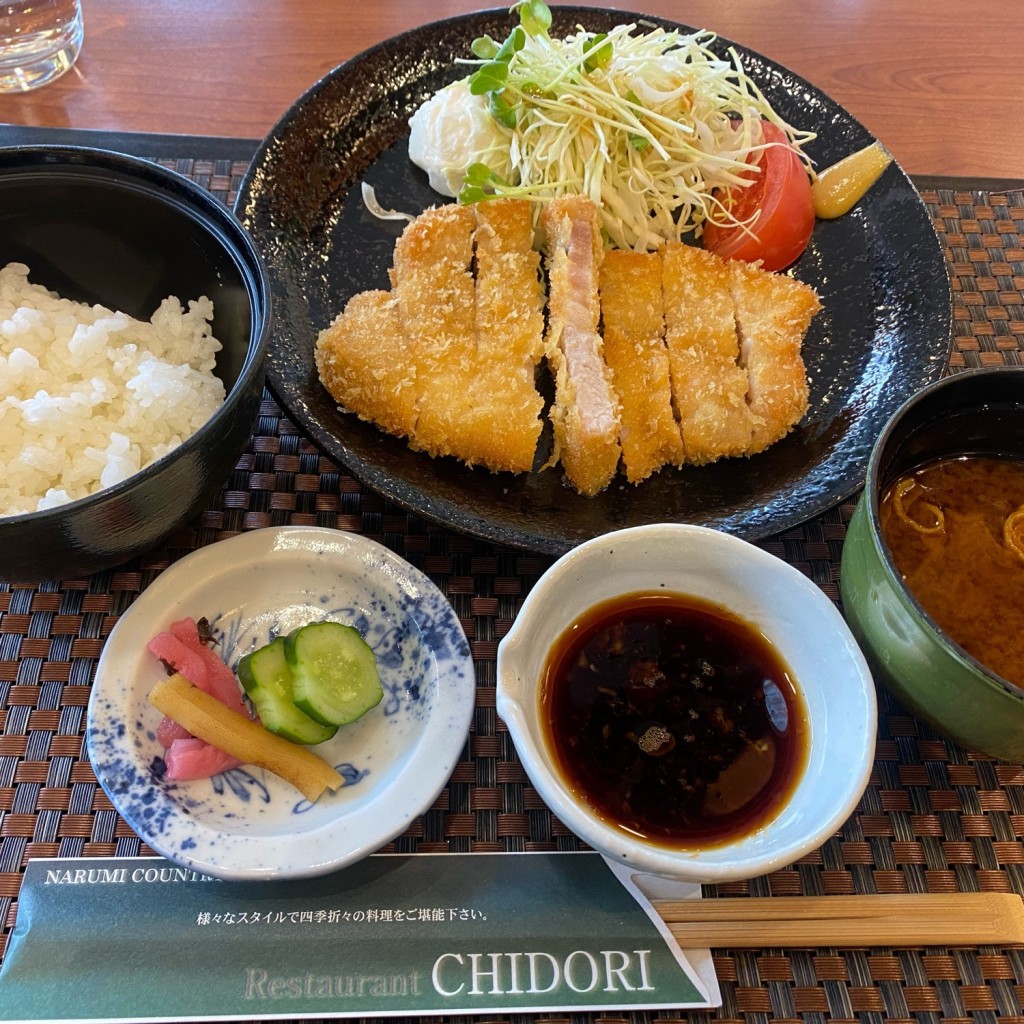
(206, 718)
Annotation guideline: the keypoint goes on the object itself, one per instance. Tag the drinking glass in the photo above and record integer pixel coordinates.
(39, 41)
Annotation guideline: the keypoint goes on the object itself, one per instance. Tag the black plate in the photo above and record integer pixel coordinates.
(884, 331)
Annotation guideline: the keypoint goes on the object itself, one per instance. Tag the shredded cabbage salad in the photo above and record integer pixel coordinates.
(648, 125)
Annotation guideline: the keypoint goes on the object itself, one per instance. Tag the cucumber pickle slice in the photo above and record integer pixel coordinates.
(334, 672)
(267, 680)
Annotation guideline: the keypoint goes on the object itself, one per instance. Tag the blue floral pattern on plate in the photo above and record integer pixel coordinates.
(246, 823)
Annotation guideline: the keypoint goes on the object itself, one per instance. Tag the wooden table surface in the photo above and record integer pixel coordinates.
(937, 80)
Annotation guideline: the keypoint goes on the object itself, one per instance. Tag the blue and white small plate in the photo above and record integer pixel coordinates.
(247, 823)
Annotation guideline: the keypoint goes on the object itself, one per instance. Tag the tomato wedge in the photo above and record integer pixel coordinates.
(781, 198)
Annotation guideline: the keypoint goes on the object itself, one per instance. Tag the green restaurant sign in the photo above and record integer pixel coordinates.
(143, 939)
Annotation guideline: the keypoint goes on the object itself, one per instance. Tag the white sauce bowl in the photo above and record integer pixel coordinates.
(801, 622)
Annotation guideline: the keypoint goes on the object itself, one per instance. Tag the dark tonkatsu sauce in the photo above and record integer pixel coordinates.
(674, 719)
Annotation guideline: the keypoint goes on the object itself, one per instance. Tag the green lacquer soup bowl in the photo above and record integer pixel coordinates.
(978, 412)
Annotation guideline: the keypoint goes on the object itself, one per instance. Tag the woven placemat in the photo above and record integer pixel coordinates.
(934, 818)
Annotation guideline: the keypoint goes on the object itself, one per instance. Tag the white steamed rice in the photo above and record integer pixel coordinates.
(89, 396)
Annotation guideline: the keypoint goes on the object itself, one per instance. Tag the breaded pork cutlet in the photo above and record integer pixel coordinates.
(773, 313)
(509, 331)
(734, 334)
(703, 356)
(510, 292)
(348, 360)
(585, 413)
(634, 347)
(709, 382)
(432, 279)
(421, 361)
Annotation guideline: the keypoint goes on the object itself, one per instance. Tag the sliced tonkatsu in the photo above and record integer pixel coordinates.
(363, 373)
(585, 415)
(509, 334)
(773, 313)
(432, 279)
(709, 381)
(666, 358)
(634, 347)
(447, 357)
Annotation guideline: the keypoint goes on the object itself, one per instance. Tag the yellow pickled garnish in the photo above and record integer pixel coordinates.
(902, 507)
(1013, 532)
(206, 718)
(838, 188)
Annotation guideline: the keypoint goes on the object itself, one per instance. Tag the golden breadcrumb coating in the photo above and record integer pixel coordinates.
(658, 359)
(709, 382)
(348, 359)
(634, 346)
(773, 313)
(447, 357)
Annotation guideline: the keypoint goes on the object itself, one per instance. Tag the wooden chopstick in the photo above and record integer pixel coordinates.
(901, 919)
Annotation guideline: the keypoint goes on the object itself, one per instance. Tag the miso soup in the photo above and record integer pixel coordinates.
(955, 528)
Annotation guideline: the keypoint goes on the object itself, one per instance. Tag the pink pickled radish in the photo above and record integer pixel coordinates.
(182, 648)
(191, 758)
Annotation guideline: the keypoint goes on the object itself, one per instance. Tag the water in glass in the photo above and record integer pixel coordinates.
(39, 41)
